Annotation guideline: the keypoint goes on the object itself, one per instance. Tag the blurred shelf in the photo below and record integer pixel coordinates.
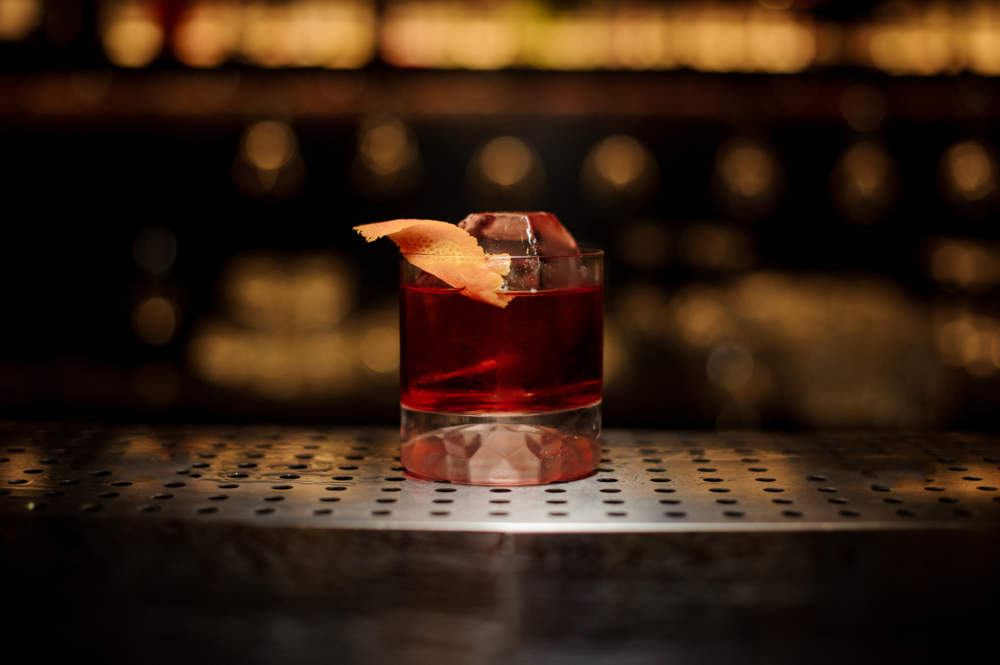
(235, 95)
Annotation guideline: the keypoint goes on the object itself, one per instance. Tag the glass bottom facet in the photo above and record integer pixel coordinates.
(501, 448)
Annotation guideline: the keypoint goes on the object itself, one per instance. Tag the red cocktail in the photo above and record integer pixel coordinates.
(503, 395)
(501, 329)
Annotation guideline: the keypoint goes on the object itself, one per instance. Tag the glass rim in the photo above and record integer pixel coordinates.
(584, 253)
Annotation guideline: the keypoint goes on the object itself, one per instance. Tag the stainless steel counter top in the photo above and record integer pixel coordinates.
(647, 482)
(116, 543)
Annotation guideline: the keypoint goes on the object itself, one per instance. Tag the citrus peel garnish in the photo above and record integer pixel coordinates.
(449, 253)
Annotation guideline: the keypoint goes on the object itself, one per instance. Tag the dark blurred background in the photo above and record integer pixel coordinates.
(798, 200)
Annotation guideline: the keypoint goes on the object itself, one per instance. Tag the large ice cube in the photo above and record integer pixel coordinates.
(520, 233)
(528, 234)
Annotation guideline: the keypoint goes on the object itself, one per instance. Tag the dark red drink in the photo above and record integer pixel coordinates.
(540, 353)
(502, 390)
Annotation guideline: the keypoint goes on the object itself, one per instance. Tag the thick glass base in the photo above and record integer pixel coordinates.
(501, 449)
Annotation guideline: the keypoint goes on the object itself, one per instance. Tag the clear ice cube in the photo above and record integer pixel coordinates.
(528, 235)
(520, 233)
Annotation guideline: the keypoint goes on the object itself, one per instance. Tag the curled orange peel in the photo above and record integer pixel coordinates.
(449, 253)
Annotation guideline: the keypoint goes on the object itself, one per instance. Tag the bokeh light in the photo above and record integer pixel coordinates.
(18, 18)
(969, 172)
(288, 331)
(619, 170)
(616, 357)
(864, 183)
(716, 247)
(130, 32)
(388, 161)
(269, 163)
(506, 161)
(269, 145)
(968, 340)
(506, 170)
(207, 33)
(642, 309)
(308, 33)
(155, 320)
(700, 318)
(964, 264)
(379, 348)
(748, 175)
(730, 366)
(307, 292)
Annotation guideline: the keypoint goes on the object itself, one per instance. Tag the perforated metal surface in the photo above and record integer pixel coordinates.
(648, 481)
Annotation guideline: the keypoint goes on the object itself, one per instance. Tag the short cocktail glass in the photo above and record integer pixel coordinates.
(503, 395)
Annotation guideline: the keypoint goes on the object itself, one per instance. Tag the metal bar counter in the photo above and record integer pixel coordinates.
(268, 544)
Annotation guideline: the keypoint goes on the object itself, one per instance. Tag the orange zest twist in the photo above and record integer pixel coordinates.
(449, 253)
